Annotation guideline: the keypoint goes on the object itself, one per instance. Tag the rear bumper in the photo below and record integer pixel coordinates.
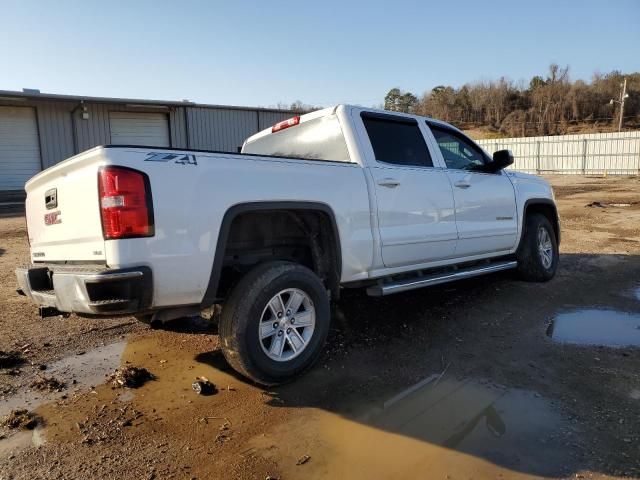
(87, 289)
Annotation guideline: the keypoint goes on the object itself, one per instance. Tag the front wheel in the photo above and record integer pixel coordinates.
(275, 322)
(538, 252)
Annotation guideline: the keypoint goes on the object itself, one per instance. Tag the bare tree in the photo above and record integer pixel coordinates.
(549, 104)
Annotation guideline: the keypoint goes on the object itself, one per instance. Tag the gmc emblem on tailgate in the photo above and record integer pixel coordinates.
(52, 218)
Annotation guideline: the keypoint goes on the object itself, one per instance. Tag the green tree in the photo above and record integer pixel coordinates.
(536, 82)
(391, 99)
(397, 101)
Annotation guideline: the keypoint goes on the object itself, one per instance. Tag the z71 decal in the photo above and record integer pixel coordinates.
(179, 158)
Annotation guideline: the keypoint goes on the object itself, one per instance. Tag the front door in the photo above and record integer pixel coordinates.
(485, 203)
(415, 201)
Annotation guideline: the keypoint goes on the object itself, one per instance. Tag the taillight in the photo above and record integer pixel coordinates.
(125, 203)
(285, 124)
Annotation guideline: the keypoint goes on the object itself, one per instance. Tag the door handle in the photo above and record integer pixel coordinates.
(389, 182)
(462, 184)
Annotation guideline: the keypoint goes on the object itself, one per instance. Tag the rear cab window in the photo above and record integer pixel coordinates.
(315, 139)
(396, 140)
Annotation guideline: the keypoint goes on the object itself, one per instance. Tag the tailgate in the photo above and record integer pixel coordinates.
(63, 216)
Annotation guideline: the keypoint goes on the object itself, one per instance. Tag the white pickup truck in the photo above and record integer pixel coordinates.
(338, 198)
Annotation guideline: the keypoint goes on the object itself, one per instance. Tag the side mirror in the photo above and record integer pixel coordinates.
(501, 160)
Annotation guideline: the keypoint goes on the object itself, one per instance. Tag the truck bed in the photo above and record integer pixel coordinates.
(191, 190)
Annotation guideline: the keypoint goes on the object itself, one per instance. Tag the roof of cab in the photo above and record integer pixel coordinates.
(329, 110)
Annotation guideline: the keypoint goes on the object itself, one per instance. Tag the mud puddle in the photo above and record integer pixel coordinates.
(601, 327)
(439, 428)
(77, 372)
(88, 369)
(21, 440)
(173, 366)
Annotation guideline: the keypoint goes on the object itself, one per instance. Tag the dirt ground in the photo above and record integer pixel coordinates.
(464, 380)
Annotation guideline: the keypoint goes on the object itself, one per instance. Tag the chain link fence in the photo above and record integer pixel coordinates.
(596, 153)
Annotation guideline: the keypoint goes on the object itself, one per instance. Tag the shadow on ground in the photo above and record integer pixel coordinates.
(467, 368)
(459, 380)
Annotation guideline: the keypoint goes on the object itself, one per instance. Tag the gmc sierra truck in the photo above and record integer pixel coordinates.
(343, 197)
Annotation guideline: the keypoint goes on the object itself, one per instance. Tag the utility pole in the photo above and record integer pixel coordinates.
(623, 95)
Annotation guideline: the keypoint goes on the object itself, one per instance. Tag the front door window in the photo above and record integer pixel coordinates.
(458, 153)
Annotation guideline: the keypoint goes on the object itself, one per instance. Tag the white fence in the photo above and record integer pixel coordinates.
(611, 153)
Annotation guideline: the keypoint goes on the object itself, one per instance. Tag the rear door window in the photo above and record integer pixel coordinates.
(397, 140)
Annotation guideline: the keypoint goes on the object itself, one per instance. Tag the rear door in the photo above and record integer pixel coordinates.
(415, 203)
(19, 147)
(138, 128)
(485, 203)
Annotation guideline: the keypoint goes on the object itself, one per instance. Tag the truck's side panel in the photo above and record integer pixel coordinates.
(416, 217)
(192, 196)
(265, 208)
(485, 212)
(485, 203)
(414, 202)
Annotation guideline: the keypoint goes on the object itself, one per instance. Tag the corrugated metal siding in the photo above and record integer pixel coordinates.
(267, 119)
(56, 131)
(614, 153)
(94, 130)
(209, 127)
(178, 128)
(219, 129)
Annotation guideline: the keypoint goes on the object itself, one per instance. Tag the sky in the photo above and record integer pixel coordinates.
(321, 52)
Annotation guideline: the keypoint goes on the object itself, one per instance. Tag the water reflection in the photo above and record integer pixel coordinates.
(596, 327)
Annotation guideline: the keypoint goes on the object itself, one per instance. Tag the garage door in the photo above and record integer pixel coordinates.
(19, 147)
(129, 128)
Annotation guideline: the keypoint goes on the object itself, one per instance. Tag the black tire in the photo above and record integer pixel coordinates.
(531, 263)
(144, 318)
(242, 313)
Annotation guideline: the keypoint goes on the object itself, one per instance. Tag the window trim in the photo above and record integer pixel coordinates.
(388, 117)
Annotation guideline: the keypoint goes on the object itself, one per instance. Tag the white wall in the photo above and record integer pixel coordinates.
(613, 153)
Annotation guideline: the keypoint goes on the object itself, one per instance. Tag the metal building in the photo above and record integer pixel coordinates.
(37, 130)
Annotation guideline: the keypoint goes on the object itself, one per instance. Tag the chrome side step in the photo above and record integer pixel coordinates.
(437, 278)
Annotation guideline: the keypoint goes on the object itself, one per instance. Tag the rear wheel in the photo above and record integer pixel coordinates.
(538, 252)
(275, 322)
(144, 318)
